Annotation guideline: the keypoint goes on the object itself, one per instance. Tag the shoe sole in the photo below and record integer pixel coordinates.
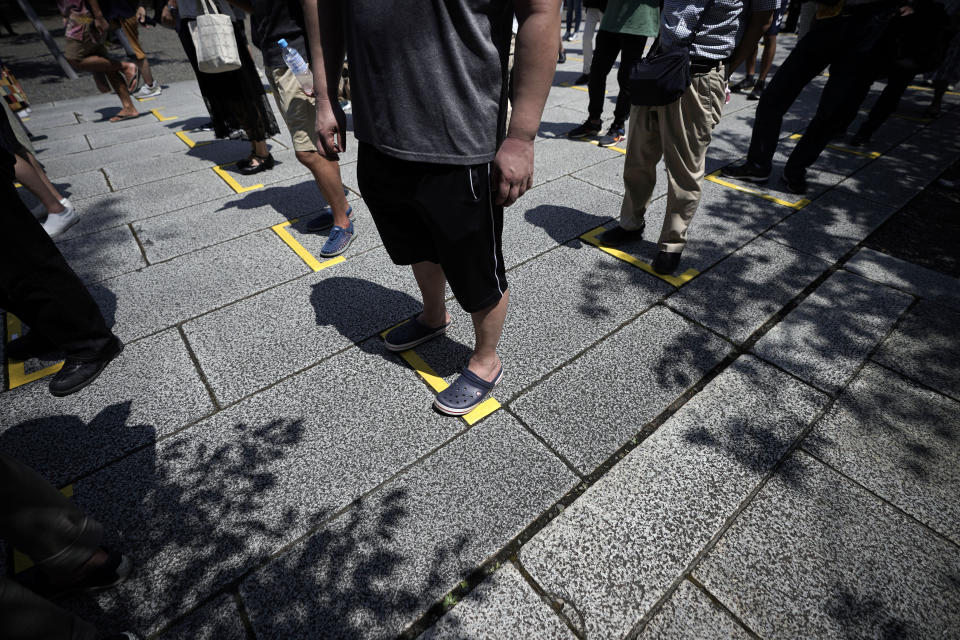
(610, 143)
(584, 136)
(450, 411)
(91, 379)
(345, 247)
(751, 179)
(123, 573)
(63, 230)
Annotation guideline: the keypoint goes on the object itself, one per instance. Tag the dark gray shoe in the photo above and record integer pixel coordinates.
(666, 263)
(77, 374)
(618, 235)
(410, 334)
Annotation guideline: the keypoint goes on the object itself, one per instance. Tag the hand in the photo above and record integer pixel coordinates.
(331, 127)
(101, 24)
(166, 18)
(512, 170)
(906, 11)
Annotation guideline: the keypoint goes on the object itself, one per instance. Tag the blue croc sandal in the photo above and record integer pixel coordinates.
(410, 334)
(465, 394)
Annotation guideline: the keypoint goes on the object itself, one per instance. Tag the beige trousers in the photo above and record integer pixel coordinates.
(679, 133)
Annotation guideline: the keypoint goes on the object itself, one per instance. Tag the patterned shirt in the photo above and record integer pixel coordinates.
(78, 17)
(716, 26)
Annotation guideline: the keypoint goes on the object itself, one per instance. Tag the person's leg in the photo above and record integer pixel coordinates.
(605, 54)
(487, 329)
(27, 616)
(750, 65)
(589, 31)
(131, 31)
(686, 127)
(29, 177)
(432, 284)
(327, 175)
(897, 82)
(640, 166)
(117, 73)
(43, 176)
(766, 60)
(631, 48)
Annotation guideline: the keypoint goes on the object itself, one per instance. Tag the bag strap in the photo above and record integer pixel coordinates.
(693, 32)
(204, 4)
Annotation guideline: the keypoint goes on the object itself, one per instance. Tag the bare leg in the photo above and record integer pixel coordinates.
(260, 147)
(43, 177)
(751, 64)
(327, 174)
(432, 285)
(488, 326)
(145, 71)
(766, 61)
(117, 74)
(28, 176)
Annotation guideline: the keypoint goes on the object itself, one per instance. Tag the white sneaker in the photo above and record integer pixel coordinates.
(40, 212)
(149, 90)
(57, 223)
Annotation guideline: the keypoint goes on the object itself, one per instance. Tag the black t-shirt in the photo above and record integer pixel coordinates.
(272, 20)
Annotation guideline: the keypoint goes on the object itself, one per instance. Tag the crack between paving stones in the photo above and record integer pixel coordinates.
(554, 603)
(723, 607)
(244, 615)
(546, 445)
(200, 372)
(143, 252)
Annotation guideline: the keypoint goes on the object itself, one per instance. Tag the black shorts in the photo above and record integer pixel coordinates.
(438, 213)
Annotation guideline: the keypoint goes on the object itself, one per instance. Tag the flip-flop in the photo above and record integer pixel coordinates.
(465, 394)
(134, 82)
(121, 118)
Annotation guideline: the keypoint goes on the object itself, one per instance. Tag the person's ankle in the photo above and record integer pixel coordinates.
(434, 319)
(56, 209)
(486, 366)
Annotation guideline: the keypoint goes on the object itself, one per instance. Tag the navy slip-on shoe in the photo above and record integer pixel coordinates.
(465, 394)
(410, 334)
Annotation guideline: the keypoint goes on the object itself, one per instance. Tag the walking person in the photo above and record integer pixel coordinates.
(273, 21)
(624, 30)
(85, 30)
(594, 13)
(771, 28)
(66, 546)
(842, 38)
(436, 174)
(234, 99)
(574, 16)
(678, 132)
(125, 18)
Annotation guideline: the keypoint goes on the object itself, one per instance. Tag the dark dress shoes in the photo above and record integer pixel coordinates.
(77, 374)
(666, 263)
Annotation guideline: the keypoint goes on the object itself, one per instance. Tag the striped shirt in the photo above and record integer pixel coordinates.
(716, 26)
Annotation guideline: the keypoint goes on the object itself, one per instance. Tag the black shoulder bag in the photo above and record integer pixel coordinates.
(663, 76)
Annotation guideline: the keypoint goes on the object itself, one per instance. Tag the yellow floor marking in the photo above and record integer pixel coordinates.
(799, 204)
(145, 99)
(22, 562)
(612, 146)
(438, 384)
(919, 88)
(865, 154)
(16, 372)
(161, 118)
(306, 256)
(190, 142)
(913, 118)
(17, 185)
(677, 281)
(236, 186)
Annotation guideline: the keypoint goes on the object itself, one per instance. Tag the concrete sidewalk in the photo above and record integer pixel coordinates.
(765, 446)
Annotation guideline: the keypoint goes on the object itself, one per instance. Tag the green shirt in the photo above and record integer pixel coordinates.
(636, 17)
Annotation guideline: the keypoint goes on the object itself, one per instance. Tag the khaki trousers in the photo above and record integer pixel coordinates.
(679, 133)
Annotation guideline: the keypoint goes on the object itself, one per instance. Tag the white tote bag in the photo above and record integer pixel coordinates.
(214, 39)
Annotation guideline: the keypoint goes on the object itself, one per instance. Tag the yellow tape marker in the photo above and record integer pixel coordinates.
(16, 372)
(799, 204)
(919, 88)
(17, 185)
(677, 281)
(190, 142)
(612, 146)
(236, 186)
(145, 99)
(161, 118)
(865, 154)
(438, 384)
(21, 562)
(306, 256)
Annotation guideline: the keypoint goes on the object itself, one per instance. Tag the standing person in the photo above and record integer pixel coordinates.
(436, 174)
(40, 288)
(85, 51)
(594, 13)
(66, 546)
(770, 30)
(948, 73)
(679, 132)
(624, 30)
(125, 17)
(840, 40)
(272, 21)
(235, 99)
(574, 16)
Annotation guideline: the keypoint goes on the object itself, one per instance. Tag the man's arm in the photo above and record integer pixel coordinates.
(535, 60)
(325, 37)
(98, 20)
(760, 21)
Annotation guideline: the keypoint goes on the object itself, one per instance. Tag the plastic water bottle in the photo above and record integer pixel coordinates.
(298, 66)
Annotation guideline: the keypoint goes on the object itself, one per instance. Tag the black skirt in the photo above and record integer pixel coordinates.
(235, 99)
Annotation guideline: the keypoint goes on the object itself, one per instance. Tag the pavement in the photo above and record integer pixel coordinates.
(765, 446)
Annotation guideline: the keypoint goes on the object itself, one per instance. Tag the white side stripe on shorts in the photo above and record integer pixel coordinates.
(493, 230)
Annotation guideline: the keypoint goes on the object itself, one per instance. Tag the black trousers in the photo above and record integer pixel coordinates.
(842, 43)
(609, 44)
(39, 287)
(898, 79)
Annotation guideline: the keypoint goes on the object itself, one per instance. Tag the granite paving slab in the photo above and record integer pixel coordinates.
(503, 606)
(886, 181)
(738, 295)
(149, 391)
(84, 185)
(203, 507)
(99, 158)
(103, 255)
(164, 294)
(924, 347)
(814, 556)
(615, 551)
(217, 620)
(659, 353)
(48, 144)
(899, 440)
(559, 157)
(906, 276)
(150, 128)
(561, 303)
(365, 238)
(689, 613)
(831, 226)
(376, 568)
(146, 200)
(141, 171)
(819, 182)
(557, 121)
(826, 339)
(39, 121)
(256, 341)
